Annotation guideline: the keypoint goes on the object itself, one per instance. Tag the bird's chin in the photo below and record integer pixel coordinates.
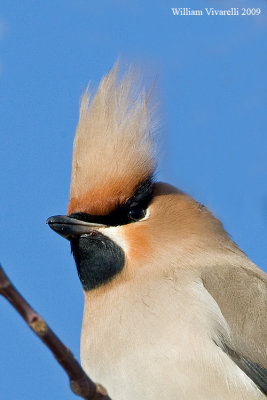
(98, 259)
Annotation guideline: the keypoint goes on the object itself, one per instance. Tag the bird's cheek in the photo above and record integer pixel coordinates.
(134, 239)
(139, 245)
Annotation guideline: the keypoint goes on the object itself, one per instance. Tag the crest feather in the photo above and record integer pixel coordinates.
(113, 151)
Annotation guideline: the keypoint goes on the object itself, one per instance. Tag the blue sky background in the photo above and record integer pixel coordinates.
(212, 88)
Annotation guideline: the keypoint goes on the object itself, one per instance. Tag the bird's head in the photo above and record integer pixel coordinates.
(120, 222)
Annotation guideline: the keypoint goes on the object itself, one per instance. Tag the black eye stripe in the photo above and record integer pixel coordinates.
(143, 194)
(136, 213)
(140, 200)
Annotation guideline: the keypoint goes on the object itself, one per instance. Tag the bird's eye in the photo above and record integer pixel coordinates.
(136, 213)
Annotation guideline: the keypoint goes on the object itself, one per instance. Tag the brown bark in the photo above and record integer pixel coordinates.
(80, 383)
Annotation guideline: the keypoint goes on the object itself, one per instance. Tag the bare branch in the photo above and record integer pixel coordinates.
(80, 383)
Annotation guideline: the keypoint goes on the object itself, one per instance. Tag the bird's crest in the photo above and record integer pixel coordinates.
(112, 152)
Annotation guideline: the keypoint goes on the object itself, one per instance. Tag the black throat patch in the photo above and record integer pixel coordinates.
(98, 259)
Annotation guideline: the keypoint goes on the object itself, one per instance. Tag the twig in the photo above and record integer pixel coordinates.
(80, 383)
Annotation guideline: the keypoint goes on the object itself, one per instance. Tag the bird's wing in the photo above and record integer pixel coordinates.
(241, 293)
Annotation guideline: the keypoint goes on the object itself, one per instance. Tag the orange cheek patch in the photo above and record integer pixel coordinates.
(138, 242)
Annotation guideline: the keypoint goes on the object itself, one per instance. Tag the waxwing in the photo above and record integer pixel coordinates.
(173, 310)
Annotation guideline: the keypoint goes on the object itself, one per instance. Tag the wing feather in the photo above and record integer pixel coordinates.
(241, 293)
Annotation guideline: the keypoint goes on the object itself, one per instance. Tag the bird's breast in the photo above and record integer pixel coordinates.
(156, 341)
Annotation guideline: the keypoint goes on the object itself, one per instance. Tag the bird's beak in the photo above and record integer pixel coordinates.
(70, 227)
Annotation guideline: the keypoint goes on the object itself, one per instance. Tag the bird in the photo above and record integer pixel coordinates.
(173, 308)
